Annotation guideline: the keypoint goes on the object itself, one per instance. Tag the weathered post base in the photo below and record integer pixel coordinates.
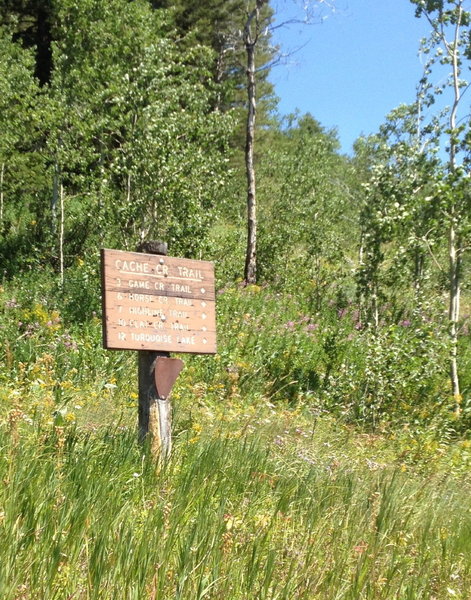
(157, 374)
(149, 417)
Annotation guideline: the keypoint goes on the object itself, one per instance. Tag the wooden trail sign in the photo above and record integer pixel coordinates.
(159, 303)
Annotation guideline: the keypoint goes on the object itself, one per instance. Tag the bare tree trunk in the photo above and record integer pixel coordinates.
(454, 250)
(251, 37)
(454, 313)
(251, 253)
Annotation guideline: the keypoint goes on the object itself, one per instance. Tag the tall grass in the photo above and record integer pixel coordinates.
(87, 516)
(257, 502)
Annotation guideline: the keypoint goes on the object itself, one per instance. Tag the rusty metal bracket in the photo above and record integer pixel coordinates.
(166, 372)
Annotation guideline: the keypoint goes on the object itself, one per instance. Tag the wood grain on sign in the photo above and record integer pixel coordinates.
(160, 303)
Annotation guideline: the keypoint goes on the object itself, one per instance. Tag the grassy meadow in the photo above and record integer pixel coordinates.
(292, 476)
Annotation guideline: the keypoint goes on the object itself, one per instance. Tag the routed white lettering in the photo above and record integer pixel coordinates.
(141, 297)
(151, 337)
(184, 301)
(132, 266)
(194, 274)
(145, 311)
(178, 314)
(186, 340)
(180, 326)
(186, 289)
(161, 270)
(135, 283)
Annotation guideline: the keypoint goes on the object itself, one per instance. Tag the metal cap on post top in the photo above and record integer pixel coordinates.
(153, 247)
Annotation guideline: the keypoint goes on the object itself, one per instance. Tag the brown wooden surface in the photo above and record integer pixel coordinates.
(159, 303)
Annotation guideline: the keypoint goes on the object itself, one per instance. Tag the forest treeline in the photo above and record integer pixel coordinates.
(124, 121)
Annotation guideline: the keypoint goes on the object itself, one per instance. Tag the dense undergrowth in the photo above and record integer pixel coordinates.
(273, 346)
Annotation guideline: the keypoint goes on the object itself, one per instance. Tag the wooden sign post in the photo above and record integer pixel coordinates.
(157, 304)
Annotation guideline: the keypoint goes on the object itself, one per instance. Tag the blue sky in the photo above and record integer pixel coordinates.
(353, 67)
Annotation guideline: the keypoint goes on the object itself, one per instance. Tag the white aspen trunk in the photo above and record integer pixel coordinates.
(128, 188)
(454, 252)
(251, 36)
(251, 253)
(361, 299)
(374, 307)
(55, 196)
(61, 234)
(317, 279)
(453, 314)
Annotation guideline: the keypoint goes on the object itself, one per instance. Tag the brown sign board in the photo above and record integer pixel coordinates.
(160, 303)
